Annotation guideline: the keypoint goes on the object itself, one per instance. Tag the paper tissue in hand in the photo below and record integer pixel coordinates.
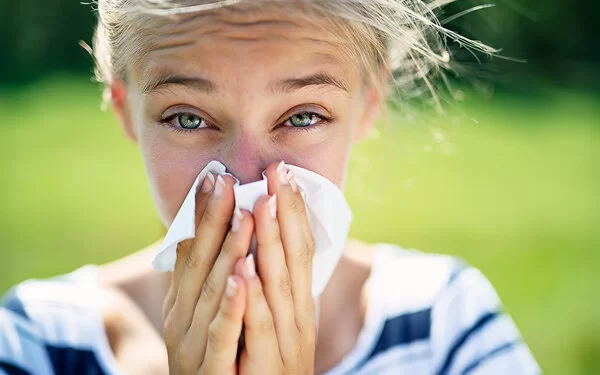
(328, 215)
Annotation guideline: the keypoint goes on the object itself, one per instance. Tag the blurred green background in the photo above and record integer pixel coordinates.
(509, 179)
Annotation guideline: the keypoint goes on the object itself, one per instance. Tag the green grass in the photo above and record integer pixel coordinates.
(514, 193)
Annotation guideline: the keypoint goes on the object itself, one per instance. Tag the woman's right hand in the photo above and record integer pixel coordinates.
(205, 305)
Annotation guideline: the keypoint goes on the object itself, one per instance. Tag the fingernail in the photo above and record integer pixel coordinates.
(250, 266)
(208, 183)
(219, 187)
(231, 287)
(281, 174)
(238, 216)
(280, 167)
(272, 205)
(292, 179)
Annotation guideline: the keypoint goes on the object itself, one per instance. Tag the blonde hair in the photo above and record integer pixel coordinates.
(404, 37)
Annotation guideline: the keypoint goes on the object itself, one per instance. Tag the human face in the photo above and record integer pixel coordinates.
(246, 89)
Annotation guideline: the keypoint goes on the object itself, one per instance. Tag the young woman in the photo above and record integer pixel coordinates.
(252, 83)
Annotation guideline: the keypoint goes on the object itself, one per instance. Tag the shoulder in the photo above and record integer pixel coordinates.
(472, 333)
(53, 325)
(443, 314)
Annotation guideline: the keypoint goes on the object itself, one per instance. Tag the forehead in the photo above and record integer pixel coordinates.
(234, 42)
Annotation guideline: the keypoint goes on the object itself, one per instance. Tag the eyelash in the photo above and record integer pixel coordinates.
(176, 128)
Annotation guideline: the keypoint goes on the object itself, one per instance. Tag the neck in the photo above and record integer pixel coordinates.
(135, 276)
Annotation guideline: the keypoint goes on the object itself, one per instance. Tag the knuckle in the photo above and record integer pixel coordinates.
(285, 286)
(233, 249)
(208, 217)
(209, 291)
(265, 325)
(214, 336)
(213, 218)
(227, 315)
(306, 335)
(299, 326)
(254, 291)
(298, 206)
(183, 248)
(271, 240)
(305, 254)
(306, 332)
(192, 260)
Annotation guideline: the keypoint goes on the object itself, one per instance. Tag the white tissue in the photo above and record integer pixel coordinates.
(328, 214)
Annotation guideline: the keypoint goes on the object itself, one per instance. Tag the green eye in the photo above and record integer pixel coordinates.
(302, 120)
(189, 121)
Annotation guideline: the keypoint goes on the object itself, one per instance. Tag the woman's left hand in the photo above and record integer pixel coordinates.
(279, 321)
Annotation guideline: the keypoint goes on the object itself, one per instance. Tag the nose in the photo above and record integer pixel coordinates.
(246, 158)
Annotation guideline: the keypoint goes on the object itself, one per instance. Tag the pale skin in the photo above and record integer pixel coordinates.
(250, 90)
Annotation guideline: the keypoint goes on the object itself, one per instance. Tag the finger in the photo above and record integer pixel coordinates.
(210, 234)
(170, 297)
(202, 195)
(208, 184)
(224, 331)
(297, 240)
(273, 271)
(281, 179)
(260, 337)
(234, 247)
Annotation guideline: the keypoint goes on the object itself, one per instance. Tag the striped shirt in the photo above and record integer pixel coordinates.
(427, 314)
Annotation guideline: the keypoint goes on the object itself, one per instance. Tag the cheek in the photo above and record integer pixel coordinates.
(329, 157)
(171, 172)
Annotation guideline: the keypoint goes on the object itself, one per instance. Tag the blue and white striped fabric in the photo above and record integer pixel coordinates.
(54, 326)
(427, 314)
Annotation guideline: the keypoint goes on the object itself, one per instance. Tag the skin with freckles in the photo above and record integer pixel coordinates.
(248, 89)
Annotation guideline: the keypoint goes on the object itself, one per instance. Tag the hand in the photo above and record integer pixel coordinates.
(203, 322)
(279, 318)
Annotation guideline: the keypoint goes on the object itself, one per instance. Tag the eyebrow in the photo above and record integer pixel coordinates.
(283, 86)
(166, 79)
(317, 79)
